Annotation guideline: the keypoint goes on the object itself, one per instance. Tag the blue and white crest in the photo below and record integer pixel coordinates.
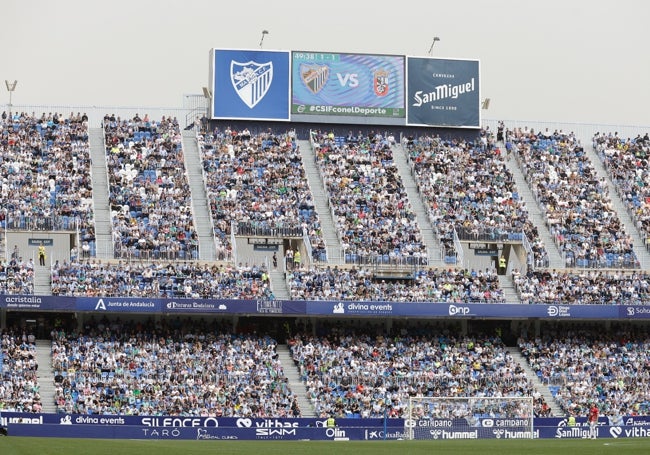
(251, 80)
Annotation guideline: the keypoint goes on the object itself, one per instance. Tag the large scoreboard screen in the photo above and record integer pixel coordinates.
(356, 85)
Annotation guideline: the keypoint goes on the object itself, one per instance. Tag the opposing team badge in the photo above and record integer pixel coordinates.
(314, 76)
(251, 80)
(380, 78)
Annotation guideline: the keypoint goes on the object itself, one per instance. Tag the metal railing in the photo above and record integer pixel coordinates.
(267, 229)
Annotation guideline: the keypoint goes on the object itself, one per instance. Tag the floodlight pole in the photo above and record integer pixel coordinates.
(11, 86)
(264, 33)
(435, 38)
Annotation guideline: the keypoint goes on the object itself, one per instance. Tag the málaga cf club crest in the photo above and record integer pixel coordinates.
(314, 76)
(251, 80)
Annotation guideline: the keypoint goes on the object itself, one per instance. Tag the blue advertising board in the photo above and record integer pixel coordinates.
(250, 84)
(212, 428)
(634, 311)
(443, 92)
(461, 310)
(278, 307)
(355, 85)
(167, 421)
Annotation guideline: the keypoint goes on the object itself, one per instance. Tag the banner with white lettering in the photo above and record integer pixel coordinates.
(329, 87)
(443, 92)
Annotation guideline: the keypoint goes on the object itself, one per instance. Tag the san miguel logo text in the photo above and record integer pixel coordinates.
(251, 80)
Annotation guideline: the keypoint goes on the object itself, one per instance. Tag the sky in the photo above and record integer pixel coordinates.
(574, 61)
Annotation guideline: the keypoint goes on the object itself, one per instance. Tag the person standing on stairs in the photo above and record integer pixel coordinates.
(41, 254)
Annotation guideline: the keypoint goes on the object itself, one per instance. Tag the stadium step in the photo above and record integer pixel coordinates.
(200, 206)
(279, 285)
(544, 389)
(102, 216)
(421, 213)
(321, 203)
(535, 214)
(45, 375)
(296, 384)
(620, 207)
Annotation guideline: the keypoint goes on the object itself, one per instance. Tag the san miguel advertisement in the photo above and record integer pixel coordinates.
(443, 92)
(249, 84)
(347, 85)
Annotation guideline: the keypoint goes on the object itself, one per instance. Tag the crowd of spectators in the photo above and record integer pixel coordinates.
(426, 285)
(149, 193)
(258, 182)
(574, 199)
(94, 278)
(353, 373)
(17, 276)
(199, 367)
(585, 365)
(189, 369)
(586, 287)
(469, 190)
(626, 162)
(45, 173)
(19, 387)
(373, 216)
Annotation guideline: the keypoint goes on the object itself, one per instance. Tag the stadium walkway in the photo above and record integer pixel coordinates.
(45, 375)
(101, 205)
(321, 202)
(537, 383)
(400, 157)
(297, 386)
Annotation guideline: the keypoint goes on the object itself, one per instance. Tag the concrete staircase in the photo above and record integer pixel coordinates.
(321, 203)
(535, 213)
(101, 205)
(295, 383)
(200, 206)
(508, 287)
(279, 285)
(42, 280)
(400, 158)
(541, 387)
(617, 204)
(45, 375)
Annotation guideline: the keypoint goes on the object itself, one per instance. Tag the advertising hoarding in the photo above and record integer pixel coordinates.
(443, 92)
(249, 84)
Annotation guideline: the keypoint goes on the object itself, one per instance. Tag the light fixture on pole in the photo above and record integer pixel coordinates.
(435, 38)
(11, 86)
(264, 33)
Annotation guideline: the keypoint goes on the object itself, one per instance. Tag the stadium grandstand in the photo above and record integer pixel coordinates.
(197, 264)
